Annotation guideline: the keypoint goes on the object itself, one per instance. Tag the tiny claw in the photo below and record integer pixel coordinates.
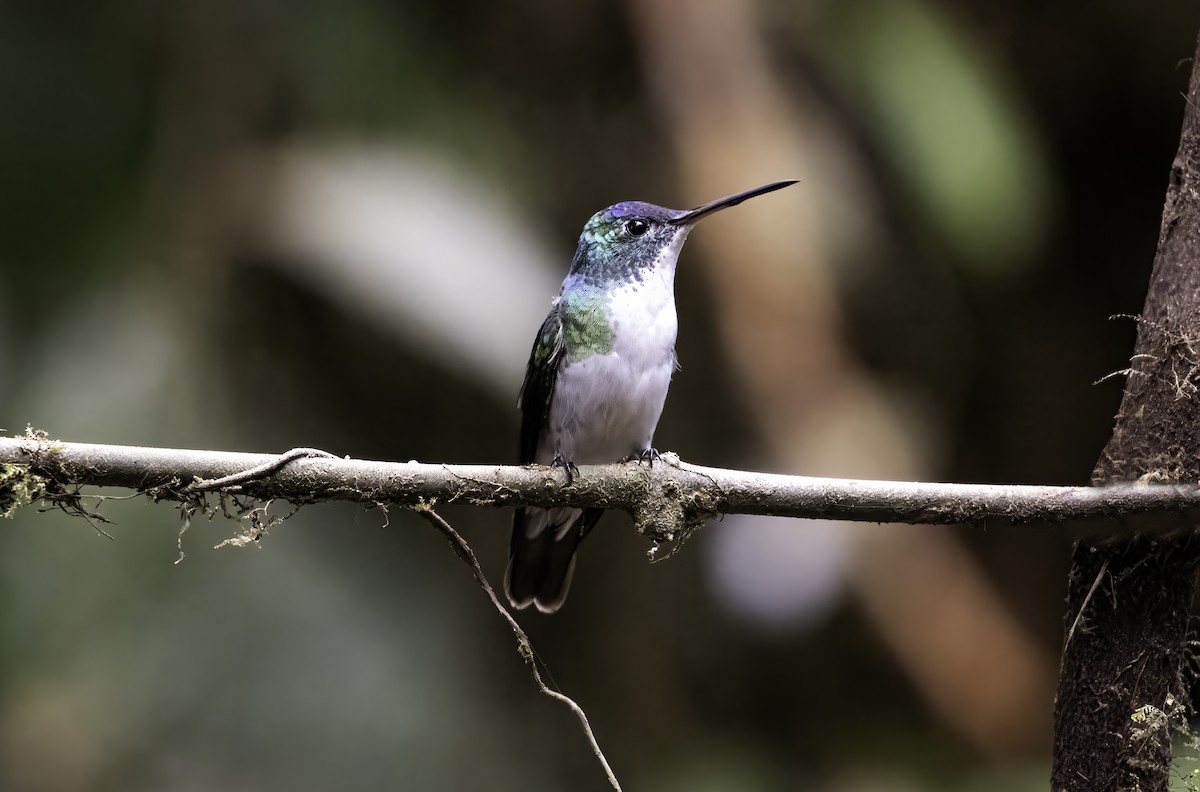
(647, 455)
(567, 465)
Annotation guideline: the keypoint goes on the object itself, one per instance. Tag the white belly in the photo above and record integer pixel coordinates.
(606, 407)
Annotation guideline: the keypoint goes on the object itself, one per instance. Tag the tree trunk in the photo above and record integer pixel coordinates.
(1121, 689)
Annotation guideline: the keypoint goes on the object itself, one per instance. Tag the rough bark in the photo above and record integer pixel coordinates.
(1121, 686)
(663, 500)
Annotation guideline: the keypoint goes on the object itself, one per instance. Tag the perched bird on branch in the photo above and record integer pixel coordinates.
(598, 375)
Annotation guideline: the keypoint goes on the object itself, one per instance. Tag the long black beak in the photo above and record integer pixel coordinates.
(691, 216)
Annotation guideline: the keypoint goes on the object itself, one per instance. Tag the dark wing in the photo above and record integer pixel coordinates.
(538, 388)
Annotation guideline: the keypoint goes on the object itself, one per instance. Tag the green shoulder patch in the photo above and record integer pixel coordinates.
(586, 330)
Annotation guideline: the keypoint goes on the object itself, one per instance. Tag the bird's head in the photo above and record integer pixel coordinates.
(630, 238)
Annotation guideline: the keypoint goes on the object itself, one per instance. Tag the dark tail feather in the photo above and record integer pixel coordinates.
(559, 572)
(527, 561)
(540, 568)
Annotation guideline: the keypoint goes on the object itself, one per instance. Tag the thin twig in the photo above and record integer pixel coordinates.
(1084, 604)
(234, 481)
(524, 646)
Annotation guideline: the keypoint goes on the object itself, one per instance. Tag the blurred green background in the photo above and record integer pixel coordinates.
(266, 224)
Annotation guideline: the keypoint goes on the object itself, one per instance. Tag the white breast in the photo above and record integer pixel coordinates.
(606, 407)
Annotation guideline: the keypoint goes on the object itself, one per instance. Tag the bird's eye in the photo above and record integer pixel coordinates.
(636, 227)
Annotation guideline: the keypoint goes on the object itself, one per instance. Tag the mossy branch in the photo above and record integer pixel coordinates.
(665, 500)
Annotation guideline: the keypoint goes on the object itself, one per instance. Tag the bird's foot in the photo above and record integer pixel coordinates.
(567, 465)
(647, 455)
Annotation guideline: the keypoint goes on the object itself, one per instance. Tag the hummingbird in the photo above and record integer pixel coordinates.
(598, 375)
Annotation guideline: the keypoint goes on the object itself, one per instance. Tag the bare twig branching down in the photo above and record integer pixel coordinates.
(158, 472)
(523, 644)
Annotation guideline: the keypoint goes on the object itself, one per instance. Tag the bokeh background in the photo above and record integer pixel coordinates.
(258, 225)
